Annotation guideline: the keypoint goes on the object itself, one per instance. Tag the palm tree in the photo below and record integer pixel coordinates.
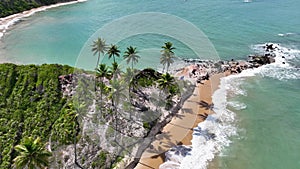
(128, 75)
(78, 108)
(167, 56)
(113, 51)
(32, 154)
(117, 88)
(99, 47)
(131, 56)
(168, 47)
(115, 70)
(102, 72)
(166, 81)
(116, 94)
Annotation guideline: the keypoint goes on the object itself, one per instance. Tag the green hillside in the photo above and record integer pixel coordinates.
(31, 104)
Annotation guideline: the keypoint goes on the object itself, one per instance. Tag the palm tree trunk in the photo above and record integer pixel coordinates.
(75, 148)
(168, 65)
(98, 60)
(101, 96)
(96, 70)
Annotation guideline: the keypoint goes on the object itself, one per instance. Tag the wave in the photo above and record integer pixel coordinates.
(286, 66)
(237, 105)
(11, 20)
(247, 1)
(286, 34)
(212, 135)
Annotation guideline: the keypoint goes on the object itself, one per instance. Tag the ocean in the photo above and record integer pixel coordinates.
(257, 112)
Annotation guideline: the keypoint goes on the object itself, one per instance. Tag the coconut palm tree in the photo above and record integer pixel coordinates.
(99, 47)
(131, 56)
(117, 88)
(128, 75)
(113, 51)
(32, 154)
(167, 55)
(166, 81)
(102, 72)
(168, 47)
(115, 70)
(116, 94)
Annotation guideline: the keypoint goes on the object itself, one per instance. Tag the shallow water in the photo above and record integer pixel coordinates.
(269, 131)
(57, 35)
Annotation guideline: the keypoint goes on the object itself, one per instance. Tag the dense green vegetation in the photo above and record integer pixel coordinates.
(9, 7)
(31, 105)
(32, 154)
(33, 110)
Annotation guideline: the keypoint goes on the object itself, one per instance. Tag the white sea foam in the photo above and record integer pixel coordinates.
(286, 34)
(283, 68)
(247, 1)
(212, 135)
(8, 21)
(237, 105)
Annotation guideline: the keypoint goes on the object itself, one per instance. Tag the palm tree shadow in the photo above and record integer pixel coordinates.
(207, 106)
(203, 116)
(180, 116)
(163, 145)
(185, 110)
(146, 165)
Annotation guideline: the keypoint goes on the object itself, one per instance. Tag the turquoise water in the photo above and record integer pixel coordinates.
(58, 35)
(268, 122)
(269, 130)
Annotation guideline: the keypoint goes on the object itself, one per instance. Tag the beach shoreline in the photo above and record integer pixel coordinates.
(180, 130)
(177, 135)
(9, 21)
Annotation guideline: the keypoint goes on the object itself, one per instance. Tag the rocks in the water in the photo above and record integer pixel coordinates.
(270, 47)
(261, 60)
(233, 66)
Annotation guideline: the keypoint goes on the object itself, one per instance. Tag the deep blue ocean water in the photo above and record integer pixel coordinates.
(266, 106)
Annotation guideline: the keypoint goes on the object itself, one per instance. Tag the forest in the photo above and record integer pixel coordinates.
(31, 105)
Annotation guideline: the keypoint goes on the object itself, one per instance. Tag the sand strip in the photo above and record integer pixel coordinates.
(8, 21)
(180, 129)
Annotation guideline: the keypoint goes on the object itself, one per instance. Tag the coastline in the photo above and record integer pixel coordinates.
(180, 130)
(7, 22)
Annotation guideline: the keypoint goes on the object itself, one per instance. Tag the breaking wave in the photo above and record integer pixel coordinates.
(212, 135)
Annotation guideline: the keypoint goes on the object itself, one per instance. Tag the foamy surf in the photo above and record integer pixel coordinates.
(237, 105)
(286, 34)
(283, 68)
(211, 136)
(11, 20)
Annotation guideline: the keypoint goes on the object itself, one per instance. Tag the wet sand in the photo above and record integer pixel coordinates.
(180, 129)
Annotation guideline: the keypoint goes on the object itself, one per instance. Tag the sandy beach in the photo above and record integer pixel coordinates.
(180, 129)
(8, 21)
